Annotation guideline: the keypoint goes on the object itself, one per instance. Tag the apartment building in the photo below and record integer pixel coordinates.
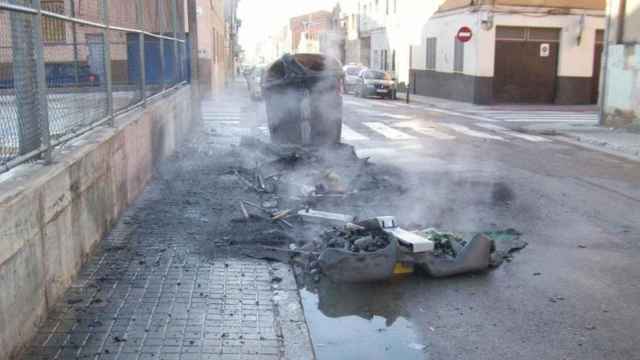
(306, 30)
(69, 43)
(212, 40)
(621, 83)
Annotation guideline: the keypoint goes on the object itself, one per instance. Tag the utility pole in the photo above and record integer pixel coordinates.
(196, 115)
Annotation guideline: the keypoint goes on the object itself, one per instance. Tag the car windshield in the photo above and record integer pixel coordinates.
(377, 75)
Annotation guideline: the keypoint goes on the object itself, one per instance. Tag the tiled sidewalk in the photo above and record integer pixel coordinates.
(161, 287)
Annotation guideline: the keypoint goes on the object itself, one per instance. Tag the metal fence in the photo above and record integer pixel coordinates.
(67, 66)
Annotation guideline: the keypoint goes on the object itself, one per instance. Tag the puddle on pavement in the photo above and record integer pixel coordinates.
(359, 322)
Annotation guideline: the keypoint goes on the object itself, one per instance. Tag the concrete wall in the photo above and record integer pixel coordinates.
(51, 217)
(622, 94)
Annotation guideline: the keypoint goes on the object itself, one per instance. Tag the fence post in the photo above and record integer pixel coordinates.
(74, 37)
(195, 70)
(174, 20)
(143, 74)
(41, 78)
(163, 20)
(107, 59)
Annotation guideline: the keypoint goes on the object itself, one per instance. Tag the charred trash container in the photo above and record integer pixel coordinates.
(303, 98)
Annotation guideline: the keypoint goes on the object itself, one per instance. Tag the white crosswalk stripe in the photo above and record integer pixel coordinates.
(509, 132)
(264, 130)
(455, 113)
(539, 116)
(424, 129)
(348, 134)
(388, 132)
(383, 104)
(473, 133)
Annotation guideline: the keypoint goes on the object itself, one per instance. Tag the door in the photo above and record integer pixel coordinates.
(597, 63)
(95, 59)
(526, 65)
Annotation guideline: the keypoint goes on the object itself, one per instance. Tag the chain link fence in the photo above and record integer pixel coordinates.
(67, 66)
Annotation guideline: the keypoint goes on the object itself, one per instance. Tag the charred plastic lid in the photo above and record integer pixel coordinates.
(292, 69)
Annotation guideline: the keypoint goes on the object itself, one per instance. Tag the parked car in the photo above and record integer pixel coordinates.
(254, 81)
(376, 83)
(351, 73)
(63, 75)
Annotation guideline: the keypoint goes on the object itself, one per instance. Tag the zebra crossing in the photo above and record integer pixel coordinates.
(416, 129)
(397, 129)
(537, 116)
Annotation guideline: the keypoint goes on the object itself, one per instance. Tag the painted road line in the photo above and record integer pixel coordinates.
(387, 151)
(422, 128)
(455, 113)
(473, 133)
(348, 134)
(396, 116)
(226, 122)
(509, 132)
(380, 103)
(388, 132)
(351, 102)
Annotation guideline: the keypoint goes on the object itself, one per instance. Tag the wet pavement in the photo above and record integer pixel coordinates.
(572, 293)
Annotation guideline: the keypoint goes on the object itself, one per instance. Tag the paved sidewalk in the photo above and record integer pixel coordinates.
(164, 284)
(619, 142)
(466, 106)
(576, 124)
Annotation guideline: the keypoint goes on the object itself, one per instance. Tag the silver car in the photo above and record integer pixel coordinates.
(351, 73)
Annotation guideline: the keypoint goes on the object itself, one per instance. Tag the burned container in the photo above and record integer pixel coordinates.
(303, 98)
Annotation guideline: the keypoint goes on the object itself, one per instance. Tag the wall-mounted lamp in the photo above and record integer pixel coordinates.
(486, 21)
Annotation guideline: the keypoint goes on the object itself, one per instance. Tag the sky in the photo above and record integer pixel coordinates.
(261, 18)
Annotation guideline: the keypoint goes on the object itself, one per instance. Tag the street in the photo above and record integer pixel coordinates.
(166, 284)
(570, 294)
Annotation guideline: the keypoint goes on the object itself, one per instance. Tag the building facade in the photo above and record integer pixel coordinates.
(621, 74)
(212, 53)
(232, 47)
(519, 51)
(306, 30)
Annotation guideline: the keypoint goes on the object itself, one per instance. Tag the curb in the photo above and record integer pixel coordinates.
(598, 145)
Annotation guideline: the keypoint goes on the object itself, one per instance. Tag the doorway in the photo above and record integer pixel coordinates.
(526, 64)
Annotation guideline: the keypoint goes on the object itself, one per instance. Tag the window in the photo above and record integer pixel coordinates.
(387, 11)
(431, 53)
(458, 56)
(393, 61)
(376, 59)
(53, 30)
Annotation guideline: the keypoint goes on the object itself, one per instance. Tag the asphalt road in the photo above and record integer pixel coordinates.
(573, 293)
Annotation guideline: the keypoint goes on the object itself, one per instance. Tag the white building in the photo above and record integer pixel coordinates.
(621, 83)
(518, 51)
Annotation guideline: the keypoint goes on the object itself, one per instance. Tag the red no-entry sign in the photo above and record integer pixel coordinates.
(464, 34)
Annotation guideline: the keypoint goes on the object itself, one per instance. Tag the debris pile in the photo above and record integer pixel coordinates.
(292, 183)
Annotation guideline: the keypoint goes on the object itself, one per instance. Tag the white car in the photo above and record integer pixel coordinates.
(255, 82)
